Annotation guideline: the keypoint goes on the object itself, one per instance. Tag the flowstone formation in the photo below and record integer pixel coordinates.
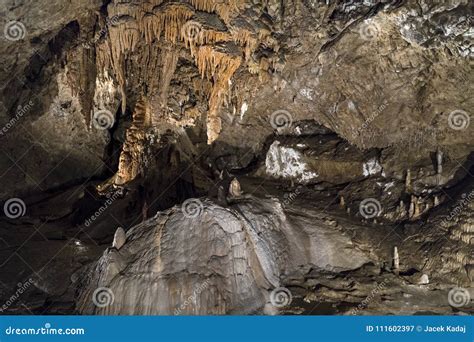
(229, 262)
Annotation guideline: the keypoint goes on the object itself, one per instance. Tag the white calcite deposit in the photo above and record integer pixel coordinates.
(287, 163)
(223, 260)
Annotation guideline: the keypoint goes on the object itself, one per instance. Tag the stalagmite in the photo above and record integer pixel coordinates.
(402, 212)
(415, 207)
(235, 189)
(411, 210)
(417, 211)
(439, 161)
(396, 260)
(439, 165)
(131, 161)
(342, 202)
(408, 181)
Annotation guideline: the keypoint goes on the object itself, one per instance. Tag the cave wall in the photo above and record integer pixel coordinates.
(393, 75)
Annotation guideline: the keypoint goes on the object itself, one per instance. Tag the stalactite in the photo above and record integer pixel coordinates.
(167, 19)
(131, 24)
(170, 60)
(130, 47)
(220, 66)
(202, 36)
(204, 5)
(103, 57)
(168, 63)
(81, 75)
(146, 66)
(223, 8)
(108, 58)
(202, 87)
(246, 39)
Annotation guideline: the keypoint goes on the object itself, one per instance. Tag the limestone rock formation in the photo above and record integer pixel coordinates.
(214, 261)
(347, 123)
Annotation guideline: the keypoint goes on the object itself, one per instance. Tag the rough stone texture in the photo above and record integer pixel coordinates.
(376, 73)
(234, 255)
(52, 150)
(322, 104)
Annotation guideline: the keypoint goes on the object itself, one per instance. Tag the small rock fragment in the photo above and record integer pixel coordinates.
(424, 280)
(119, 238)
(234, 189)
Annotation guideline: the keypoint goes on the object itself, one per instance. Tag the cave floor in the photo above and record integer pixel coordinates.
(43, 251)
